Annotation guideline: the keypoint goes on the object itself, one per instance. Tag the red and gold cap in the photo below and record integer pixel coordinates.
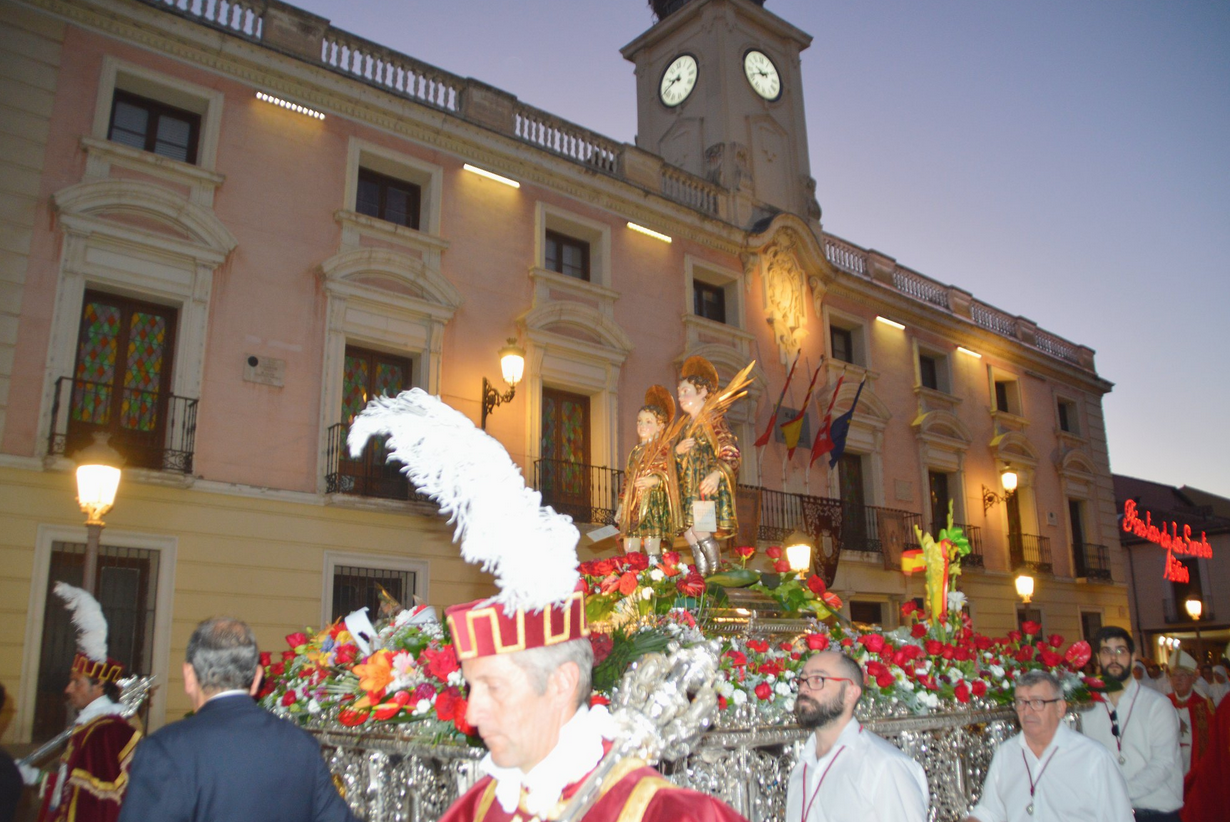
(484, 628)
(109, 671)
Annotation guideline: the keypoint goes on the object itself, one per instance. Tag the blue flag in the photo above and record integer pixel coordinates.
(841, 428)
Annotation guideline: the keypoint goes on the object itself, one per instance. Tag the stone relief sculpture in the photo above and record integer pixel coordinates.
(784, 293)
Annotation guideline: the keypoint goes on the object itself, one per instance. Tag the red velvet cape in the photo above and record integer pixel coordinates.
(98, 756)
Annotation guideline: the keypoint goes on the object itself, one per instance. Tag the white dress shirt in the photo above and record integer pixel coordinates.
(1075, 780)
(1148, 743)
(862, 778)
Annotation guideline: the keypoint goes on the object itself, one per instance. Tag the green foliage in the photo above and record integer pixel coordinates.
(627, 647)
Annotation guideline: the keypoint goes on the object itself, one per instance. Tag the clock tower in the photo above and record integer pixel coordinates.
(720, 94)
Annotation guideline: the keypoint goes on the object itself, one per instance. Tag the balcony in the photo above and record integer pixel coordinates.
(865, 528)
(1030, 552)
(370, 475)
(974, 534)
(150, 429)
(1091, 561)
(587, 493)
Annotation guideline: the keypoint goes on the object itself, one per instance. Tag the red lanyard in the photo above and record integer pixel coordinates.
(1033, 783)
(807, 806)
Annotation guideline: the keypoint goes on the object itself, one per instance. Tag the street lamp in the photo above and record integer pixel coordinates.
(512, 366)
(1009, 479)
(798, 551)
(98, 478)
(1025, 587)
(1194, 609)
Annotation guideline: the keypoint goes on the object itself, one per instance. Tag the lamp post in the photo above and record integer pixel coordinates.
(1194, 609)
(98, 478)
(512, 367)
(798, 551)
(1025, 587)
(1009, 479)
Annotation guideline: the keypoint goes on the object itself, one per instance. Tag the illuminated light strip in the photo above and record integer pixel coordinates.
(649, 231)
(965, 350)
(889, 322)
(490, 175)
(286, 104)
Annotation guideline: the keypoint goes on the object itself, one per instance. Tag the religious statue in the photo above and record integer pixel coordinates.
(648, 510)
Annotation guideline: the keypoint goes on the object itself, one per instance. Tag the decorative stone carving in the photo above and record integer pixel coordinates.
(784, 293)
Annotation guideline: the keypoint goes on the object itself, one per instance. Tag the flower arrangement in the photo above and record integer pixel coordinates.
(411, 675)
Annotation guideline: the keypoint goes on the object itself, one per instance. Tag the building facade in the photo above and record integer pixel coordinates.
(226, 226)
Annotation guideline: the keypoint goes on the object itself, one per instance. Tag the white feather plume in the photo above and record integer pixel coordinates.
(89, 619)
(502, 525)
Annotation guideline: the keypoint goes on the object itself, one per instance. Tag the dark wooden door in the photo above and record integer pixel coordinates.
(368, 374)
(939, 500)
(565, 466)
(853, 499)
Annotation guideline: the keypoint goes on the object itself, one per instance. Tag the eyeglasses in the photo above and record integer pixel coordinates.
(1114, 652)
(815, 682)
(1036, 704)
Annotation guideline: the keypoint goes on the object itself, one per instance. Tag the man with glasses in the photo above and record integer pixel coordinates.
(845, 771)
(1140, 728)
(1048, 772)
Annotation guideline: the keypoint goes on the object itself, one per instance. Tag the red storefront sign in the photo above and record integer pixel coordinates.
(1167, 537)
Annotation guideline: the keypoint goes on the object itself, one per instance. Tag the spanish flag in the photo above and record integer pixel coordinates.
(912, 560)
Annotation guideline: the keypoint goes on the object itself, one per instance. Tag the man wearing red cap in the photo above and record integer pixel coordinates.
(529, 676)
(89, 784)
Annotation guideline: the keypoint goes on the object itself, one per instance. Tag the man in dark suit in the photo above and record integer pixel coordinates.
(232, 761)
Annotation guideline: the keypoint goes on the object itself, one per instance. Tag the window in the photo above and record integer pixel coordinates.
(938, 482)
(122, 377)
(871, 613)
(1027, 613)
(152, 126)
(842, 344)
(566, 255)
(387, 198)
(1091, 623)
(564, 472)
(1007, 396)
(355, 587)
(367, 374)
(928, 372)
(709, 301)
(1067, 417)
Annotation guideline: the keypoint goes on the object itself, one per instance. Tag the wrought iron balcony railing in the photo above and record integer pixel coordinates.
(150, 429)
(974, 534)
(864, 528)
(587, 493)
(1030, 552)
(370, 475)
(1091, 561)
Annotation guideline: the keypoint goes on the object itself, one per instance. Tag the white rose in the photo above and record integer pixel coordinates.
(789, 675)
(646, 593)
(313, 707)
(657, 575)
(456, 678)
(929, 699)
(789, 704)
(724, 688)
(997, 671)
(783, 689)
(422, 706)
(956, 600)
(771, 678)
(739, 697)
(955, 674)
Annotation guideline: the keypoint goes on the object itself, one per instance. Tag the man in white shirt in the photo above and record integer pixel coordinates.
(1048, 772)
(847, 773)
(1158, 680)
(1140, 729)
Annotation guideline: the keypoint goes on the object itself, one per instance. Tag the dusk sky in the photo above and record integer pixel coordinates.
(1064, 161)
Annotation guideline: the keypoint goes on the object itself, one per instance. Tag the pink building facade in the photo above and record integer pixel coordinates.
(220, 281)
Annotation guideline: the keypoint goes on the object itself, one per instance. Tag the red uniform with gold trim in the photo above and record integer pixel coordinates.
(1200, 713)
(633, 792)
(1207, 787)
(93, 773)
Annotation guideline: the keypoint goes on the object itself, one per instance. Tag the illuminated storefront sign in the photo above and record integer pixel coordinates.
(1168, 537)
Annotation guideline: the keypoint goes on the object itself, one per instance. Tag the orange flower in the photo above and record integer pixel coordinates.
(376, 673)
(627, 583)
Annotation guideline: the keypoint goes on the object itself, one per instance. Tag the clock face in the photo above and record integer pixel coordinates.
(678, 80)
(762, 74)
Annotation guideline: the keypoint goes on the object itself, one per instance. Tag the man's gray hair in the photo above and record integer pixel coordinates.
(1038, 676)
(539, 663)
(223, 654)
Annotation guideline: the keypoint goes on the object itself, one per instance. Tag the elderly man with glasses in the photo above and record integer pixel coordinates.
(1140, 728)
(845, 771)
(1048, 772)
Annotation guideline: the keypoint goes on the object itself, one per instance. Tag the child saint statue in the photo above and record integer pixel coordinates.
(648, 510)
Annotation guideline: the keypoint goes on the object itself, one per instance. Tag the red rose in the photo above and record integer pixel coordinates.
(287, 656)
(847, 642)
(1025, 654)
(638, 561)
(1093, 683)
(1078, 655)
(602, 645)
(692, 585)
(816, 585)
(767, 668)
(908, 608)
(604, 567)
(1014, 636)
(1049, 658)
(597, 699)
(350, 717)
(781, 566)
(875, 668)
(773, 552)
(670, 558)
(1054, 640)
(296, 639)
(961, 692)
(721, 702)
(627, 583)
(277, 669)
(1030, 628)
(745, 551)
(981, 642)
(423, 691)
(948, 651)
(763, 691)
(345, 653)
(289, 698)
(737, 658)
(933, 646)
(963, 655)
(979, 688)
(918, 631)
(447, 704)
(760, 646)
(886, 679)
(872, 642)
(266, 658)
(459, 717)
(441, 663)
(817, 642)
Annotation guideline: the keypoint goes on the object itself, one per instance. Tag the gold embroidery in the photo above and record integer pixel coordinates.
(484, 804)
(642, 795)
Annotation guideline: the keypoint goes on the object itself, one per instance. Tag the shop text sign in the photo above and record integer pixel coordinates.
(1168, 537)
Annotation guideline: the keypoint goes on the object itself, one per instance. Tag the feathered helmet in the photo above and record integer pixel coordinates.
(699, 371)
(660, 403)
(501, 524)
(91, 658)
